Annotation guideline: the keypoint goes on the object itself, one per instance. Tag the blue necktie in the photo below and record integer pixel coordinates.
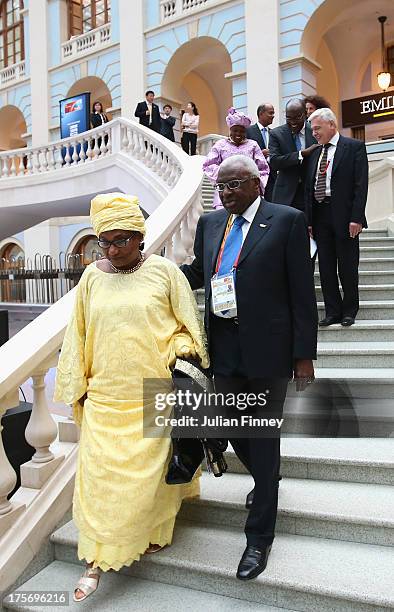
(232, 246)
(264, 136)
(297, 141)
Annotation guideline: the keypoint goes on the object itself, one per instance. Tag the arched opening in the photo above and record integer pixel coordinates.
(12, 258)
(11, 33)
(196, 72)
(99, 91)
(87, 249)
(86, 15)
(343, 36)
(12, 126)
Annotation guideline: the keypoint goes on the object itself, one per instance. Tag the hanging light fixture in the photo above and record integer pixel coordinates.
(384, 77)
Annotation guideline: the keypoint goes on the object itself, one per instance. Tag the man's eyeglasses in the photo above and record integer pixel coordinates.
(234, 184)
(120, 243)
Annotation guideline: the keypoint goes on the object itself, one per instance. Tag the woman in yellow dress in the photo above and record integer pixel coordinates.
(132, 318)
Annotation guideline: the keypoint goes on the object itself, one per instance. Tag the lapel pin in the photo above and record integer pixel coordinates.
(262, 225)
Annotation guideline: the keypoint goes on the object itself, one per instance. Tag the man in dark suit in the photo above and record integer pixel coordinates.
(167, 123)
(271, 333)
(290, 146)
(336, 196)
(148, 112)
(260, 132)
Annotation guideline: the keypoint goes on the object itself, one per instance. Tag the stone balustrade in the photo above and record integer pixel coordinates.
(86, 43)
(179, 8)
(117, 136)
(13, 73)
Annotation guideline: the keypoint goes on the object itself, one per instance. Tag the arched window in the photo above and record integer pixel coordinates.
(12, 258)
(88, 250)
(86, 15)
(11, 33)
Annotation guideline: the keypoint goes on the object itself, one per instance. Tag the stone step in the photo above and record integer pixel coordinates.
(369, 277)
(303, 573)
(372, 310)
(362, 460)
(375, 232)
(361, 331)
(372, 252)
(335, 510)
(368, 292)
(355, 355)
(123, 593)
(331, 408)
(375, 241)
(376, 263)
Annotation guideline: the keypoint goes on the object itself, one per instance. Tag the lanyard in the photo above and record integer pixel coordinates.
(220, 256)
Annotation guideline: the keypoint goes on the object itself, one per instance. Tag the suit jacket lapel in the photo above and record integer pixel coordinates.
(341, 146)
(257, 231)
(218, 229)
(290, 140)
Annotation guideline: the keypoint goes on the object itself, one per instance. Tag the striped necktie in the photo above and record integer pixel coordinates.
(320, 187)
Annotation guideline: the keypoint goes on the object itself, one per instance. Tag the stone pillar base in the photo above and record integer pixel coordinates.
(34, 475)
(68, 431)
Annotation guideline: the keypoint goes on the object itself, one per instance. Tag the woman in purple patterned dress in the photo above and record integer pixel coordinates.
(235, 144)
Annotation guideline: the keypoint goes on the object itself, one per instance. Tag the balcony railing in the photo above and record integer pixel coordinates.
(16, 72)
(86, 43)
(179, 8)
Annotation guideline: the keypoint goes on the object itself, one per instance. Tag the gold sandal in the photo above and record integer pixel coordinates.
(86, 583)
(154, 548)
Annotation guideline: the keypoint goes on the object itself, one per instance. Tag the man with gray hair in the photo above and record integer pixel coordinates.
(336, 197)
(253, 259)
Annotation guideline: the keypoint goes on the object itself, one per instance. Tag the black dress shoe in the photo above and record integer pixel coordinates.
(347, 321)
(253, 562)
(250, 496)
(329, 321)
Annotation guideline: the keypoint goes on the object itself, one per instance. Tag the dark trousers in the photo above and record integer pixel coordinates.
(189, 143)
(260, 456)
(338, 255)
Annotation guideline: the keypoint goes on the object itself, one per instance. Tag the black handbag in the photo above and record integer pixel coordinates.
(188, 453)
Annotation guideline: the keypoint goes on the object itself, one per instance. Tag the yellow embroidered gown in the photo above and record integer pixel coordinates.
(124, 328)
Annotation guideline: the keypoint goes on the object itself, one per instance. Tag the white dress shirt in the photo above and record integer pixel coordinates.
(266, 134)
(248, 215)
(330, 160)
(149, 105)
(301, 134)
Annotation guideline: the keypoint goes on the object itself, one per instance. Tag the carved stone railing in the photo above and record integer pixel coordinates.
(13, 73)
(205, 143)
(179, 8)
(34, 350)
(86, 43)
(118, 136)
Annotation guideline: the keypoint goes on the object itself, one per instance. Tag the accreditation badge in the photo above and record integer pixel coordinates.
(223, 293)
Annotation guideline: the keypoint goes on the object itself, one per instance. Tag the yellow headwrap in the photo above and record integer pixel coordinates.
(110, 211)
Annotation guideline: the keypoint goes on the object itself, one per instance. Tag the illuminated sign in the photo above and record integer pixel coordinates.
(370, 109)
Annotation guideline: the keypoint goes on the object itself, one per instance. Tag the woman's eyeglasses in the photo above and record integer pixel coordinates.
(120, 243)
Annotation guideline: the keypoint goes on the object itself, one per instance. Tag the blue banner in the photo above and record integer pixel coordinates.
(74, 115)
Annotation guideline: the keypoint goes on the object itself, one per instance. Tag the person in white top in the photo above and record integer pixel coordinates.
(190, 120)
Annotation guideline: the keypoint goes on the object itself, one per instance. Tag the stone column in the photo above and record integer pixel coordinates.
(38, 47)
(298, 77)
(132, 56)
(262, 55)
